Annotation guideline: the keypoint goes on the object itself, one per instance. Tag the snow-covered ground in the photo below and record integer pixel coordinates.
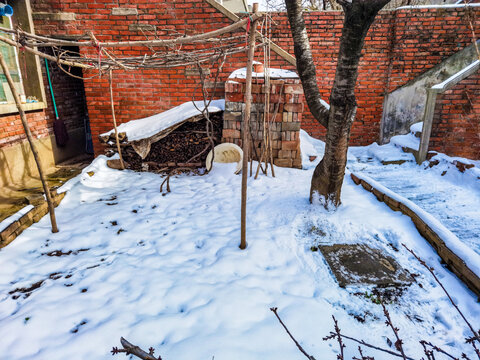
(441, 190)
(166, 271)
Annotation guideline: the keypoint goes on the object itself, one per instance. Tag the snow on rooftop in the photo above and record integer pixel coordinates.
(274, 73)
(149, 126)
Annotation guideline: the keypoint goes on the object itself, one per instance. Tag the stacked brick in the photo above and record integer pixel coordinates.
(287, 96)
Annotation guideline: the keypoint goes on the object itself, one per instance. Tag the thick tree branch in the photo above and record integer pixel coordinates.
(305, 66)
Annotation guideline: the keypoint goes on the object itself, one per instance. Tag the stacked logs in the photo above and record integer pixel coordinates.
(186, 146)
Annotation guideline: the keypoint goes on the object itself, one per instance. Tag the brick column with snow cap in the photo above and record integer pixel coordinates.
(286, 93)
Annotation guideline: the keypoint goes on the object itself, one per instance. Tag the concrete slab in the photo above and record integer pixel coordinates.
(360, 264)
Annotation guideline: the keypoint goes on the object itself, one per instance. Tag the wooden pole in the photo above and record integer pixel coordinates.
(246, 127)
(115, 121)
(156, 42)
(51, 207)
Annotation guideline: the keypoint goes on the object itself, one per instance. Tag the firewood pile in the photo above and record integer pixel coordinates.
(186, 146)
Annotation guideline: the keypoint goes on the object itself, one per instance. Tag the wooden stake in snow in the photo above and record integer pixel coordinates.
(51, 208)
(115, 121)
(246, 126)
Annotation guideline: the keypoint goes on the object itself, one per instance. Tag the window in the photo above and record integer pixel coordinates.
(24, 67)
(10, 55)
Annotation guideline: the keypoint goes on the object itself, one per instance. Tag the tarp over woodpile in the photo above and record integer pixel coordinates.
(142, 133)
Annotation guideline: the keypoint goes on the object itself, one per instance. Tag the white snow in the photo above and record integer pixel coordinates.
(274, 73)
(149, 126)
(385, 153)
(417, 127)
(408, 141)
(472, 259)
(310, 148)
(324, 103)
(166, 271)
(442, 190)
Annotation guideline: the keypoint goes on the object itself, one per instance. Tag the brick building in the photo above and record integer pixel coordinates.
(401, 45)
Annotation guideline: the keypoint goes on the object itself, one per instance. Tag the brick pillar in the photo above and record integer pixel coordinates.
(284, 129)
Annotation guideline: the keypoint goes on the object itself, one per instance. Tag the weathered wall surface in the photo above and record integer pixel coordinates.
(406, 106)
(16, 162)
(400, 46)
(456, 121)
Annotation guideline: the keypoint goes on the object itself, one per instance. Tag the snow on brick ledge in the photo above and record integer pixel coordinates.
(462, 260)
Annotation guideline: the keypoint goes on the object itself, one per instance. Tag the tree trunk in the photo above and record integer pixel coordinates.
(305, 65)
(359, 15)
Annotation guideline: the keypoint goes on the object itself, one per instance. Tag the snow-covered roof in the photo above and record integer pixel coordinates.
(149, 126)
(274, 73)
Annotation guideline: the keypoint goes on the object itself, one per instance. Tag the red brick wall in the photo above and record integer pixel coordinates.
(401, 45)
(11, 130)
(456, 121)
(69, 95)
(70, 99)
(138, 93)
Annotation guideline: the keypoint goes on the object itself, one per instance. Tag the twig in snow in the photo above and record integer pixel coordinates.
(388, 322)
(475, 337)
(363, 357)
(430, 354)
(310, 357)
(130, 349)
(333, 335)
(339, 339)
(171, 173)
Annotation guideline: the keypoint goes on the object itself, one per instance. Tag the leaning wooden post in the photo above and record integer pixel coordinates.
(246, 127)
(122, 165)
(51, 207)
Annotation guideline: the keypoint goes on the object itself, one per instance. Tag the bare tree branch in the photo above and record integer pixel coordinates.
(361, 342)
(310, 357)
(399, 342)
(430, 354)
